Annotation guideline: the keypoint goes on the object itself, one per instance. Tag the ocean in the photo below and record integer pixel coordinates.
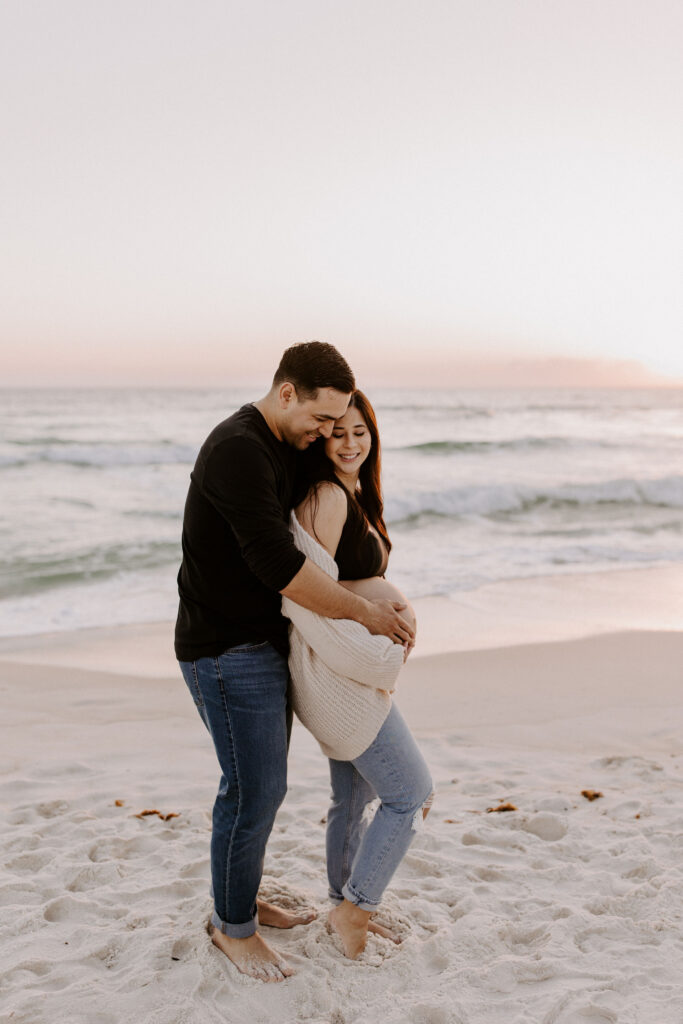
(479, 486)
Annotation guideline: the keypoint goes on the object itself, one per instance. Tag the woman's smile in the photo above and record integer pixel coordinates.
(349, 445)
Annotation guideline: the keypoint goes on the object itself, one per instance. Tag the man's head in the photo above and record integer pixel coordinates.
(311, 389)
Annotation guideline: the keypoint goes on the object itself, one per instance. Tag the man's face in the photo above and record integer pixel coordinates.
(302, 422)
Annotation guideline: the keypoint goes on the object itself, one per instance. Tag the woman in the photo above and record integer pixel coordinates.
(341, 678)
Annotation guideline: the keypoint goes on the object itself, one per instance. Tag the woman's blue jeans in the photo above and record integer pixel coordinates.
(362, 857)
(241, 696)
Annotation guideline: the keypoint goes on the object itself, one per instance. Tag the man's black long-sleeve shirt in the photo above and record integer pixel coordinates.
(238, 552)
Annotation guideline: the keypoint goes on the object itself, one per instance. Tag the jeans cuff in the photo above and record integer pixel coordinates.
(360, 901)
(235, 931)
(335, 897)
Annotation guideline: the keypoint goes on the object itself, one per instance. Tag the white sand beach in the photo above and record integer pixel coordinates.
(564, 910)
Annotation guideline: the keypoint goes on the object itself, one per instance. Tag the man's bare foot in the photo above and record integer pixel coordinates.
(278, 917)
(351, 925)
(252, 956)
(379, 929)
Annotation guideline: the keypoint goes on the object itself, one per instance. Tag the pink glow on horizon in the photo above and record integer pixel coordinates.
(223, 364)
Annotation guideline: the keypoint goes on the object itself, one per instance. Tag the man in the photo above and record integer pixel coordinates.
(231, 639)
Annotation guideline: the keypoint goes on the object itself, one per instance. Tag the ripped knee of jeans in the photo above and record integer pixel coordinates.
(422, 812)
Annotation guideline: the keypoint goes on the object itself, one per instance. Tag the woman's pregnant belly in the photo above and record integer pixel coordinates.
(377, 588)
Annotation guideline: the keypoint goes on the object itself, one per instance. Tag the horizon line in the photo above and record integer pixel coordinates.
(675, 385)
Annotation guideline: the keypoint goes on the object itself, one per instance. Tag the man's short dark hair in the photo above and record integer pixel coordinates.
(312, 365)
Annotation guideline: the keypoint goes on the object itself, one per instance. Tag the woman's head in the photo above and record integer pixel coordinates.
(354, 441)
(356, 436)
(353, 453)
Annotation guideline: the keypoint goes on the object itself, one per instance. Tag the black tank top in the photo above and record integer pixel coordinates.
(360, 552)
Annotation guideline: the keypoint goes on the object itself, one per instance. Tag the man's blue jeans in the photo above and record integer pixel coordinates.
(241, 696)
(362, 856)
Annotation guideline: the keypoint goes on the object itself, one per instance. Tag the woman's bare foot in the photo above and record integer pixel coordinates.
(278, 917)
(252, 956)
(351, 925)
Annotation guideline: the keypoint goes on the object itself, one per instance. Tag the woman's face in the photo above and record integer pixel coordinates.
(349, 444)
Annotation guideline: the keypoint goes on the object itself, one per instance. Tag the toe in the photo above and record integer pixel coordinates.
(276, 972)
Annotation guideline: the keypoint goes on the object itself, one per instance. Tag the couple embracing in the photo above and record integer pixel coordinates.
(284, 517)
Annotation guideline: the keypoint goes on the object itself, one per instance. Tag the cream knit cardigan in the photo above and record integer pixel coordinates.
(341, 673)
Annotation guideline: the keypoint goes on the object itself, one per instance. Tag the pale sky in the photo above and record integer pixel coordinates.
(443, 189)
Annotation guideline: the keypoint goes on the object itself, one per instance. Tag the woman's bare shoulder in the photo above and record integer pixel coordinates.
(323, 513)
(331, 492)
(326, 497)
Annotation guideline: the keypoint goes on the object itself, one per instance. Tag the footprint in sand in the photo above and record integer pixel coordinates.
(546, 826)
(23, 843)
(29, 863)
(489, 874)
(71, 908)
(590, 1014)
(183, 949)
(500, 840)
(642, 766)
(560, 913)
(521, 940)
(26, 974)
(197, 869)
(94, 876)
(424, 1013)
(122, 849)
(52, 808)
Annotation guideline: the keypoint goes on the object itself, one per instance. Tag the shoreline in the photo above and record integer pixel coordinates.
(611, 694)
(503, 614)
